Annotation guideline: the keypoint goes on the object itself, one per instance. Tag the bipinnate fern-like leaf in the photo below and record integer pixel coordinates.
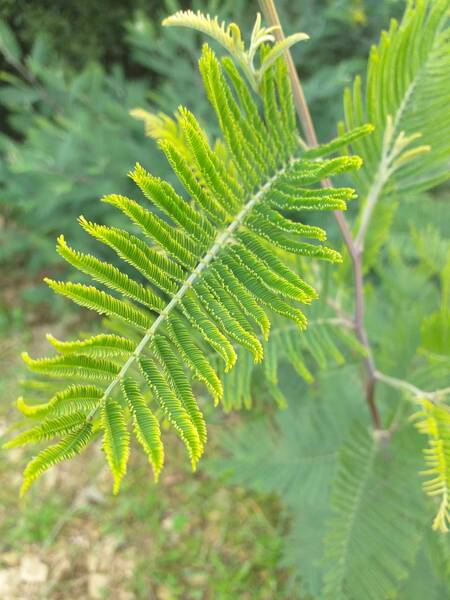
(377, 524)
(406, 98)
(208, 276)
(433, 420)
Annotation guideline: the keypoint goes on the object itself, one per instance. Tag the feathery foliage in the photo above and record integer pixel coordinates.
(213, 262)
(224, 273)
(324, 345)
(371, 493)
(406, 88)
(229, 36)
(358, 514)
(433, 420)
(406, 99)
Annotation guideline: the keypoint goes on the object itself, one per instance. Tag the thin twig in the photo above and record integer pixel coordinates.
(401, 384)
(270, 12)
(271, 15)
(379, 181)
(369, 207)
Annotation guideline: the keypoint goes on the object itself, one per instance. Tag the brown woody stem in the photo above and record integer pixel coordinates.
(270, 12)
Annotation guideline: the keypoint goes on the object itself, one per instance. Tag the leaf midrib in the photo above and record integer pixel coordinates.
(382, 173)
(221, 240)
(350, 522)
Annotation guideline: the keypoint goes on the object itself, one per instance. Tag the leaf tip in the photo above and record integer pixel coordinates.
(25, 357)
(24, 488)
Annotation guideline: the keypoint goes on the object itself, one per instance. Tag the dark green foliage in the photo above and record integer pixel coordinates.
(80, 31)
(77, 137)
(341, 35)
(70, 137)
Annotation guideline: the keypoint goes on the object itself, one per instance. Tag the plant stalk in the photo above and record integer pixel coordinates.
(401, 384)
(270, 13)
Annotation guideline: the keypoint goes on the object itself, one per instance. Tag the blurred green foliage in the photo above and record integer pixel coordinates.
(80, 31)
(341, 34)
(78, 142)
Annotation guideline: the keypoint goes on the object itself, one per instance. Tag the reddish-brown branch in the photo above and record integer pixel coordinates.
(270, 12)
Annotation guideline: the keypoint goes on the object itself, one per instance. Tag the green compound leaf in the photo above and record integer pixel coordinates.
(206, 275)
